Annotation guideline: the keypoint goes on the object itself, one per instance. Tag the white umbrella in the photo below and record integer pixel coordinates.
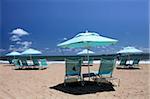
(85, 52)
(30, 52)
(130, 50)
(87, 40)
(14, 53)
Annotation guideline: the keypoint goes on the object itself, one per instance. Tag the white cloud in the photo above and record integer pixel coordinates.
(15, 38)
(19, 32)
(26, 44)
(11, 47)
(21, 46)
(2, 50)
(47, 48)
(64, 38)
(18, 42)
(20, 49)
(145, 49)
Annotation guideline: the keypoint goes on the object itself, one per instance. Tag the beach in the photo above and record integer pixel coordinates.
(48, 84)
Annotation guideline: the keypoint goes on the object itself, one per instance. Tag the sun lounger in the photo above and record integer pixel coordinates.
(135, 63)
(35, 62)
(73, 71)
(104, 74)
(43, 64)
(25, 64)
(17, 64)
(13, 60)
(122, 64)
(10, 61)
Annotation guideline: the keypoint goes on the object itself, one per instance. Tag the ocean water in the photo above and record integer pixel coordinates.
(63, 62)
(144, 57)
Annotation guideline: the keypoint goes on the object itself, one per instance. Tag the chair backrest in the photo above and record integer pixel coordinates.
(13, 60)
(73, 67)
(106, 67)
(123, 62)
(16, 62)
(10, 61)
(35, 62)
(24, 62)
(44, 62)
(136, 61)
(90, 61)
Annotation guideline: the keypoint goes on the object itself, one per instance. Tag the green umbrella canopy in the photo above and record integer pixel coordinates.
(87, 40)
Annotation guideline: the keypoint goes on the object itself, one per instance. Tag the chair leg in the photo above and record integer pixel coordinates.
(64, 83)
(116, 84)
(82, 83)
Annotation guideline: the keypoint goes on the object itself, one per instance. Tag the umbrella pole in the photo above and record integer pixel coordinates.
(88, 63)
(30, 57)
(30, 60)
(129, 59)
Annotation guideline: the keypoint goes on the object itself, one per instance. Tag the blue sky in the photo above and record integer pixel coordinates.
(48, 22)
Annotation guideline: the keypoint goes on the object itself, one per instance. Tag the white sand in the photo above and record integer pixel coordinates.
(40, 84)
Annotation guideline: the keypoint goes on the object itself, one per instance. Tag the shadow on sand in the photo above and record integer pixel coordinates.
(88, 88)
(128, 68)
(29, 69)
